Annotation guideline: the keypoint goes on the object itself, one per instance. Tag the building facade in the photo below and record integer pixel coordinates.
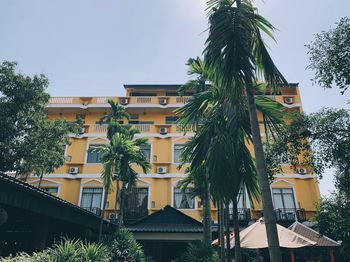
(151, 109)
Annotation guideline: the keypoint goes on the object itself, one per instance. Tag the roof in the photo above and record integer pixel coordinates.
(321, 241)
(18, 194)
(168, 219)
(153, 86)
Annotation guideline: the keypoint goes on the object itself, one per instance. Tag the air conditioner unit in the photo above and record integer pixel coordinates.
(163, 130)
(124, 101)
(161, 170)
(163, 101)
(288, 100)
(301, 171)
(73, 170)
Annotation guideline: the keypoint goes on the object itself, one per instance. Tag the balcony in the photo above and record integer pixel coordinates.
(290, 214)
(95, 210)
(143, 128)
(243, 215)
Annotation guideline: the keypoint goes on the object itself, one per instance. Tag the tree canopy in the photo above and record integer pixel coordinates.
(29, 141)
(330, 56)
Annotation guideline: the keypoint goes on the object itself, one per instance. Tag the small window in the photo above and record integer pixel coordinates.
(94, 154)
(51, 190)
(134, 117)
(146, 151)
(183, 199)
(178, 148)
(171, 120)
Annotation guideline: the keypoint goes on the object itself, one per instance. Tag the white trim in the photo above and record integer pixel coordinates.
(282, 180)
(307, 176)
(56, 183)
(156, 135)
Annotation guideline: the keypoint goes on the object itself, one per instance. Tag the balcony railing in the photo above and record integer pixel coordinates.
(94, 210)
(243, 214)
(143, 128)
(290, 214)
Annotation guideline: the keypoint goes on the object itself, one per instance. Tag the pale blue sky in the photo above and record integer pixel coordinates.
(93, 47)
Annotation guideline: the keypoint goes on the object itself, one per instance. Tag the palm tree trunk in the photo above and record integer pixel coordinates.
(221, 230)
(238, 255)
(206, 212)
(121, 206)
(102, 214)
(40, 179)
(269, 215)
(116, 197)
(227, 230)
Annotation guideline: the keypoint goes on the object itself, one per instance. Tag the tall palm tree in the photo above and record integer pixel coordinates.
(118, 158)
(236, 51)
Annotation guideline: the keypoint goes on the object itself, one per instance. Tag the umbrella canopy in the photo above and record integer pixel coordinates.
(255, 237)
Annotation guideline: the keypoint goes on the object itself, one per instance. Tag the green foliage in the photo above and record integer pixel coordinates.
(124, 248)
(198, 252)
(330, 56)
(29, 141)
(332, 218)
(66, 251)
(320, 140)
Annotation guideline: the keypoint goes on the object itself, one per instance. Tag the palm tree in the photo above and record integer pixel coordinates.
(236, 51)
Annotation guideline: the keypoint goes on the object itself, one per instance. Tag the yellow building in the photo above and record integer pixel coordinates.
(151, 109)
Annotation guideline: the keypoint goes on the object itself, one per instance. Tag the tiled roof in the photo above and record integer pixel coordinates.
(167, 219)
(321, 241)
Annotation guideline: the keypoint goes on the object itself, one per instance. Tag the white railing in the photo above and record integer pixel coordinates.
(183, 99)
(61, 100)
(144, 99)
(180, 128)
(102, 100)
(142, 127)
(99, 128)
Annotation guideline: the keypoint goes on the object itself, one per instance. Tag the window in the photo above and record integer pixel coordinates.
(94, 154)
(136, 205)
(283, 198)
(91, 198)
(241, 201)
(51, 190)
(178, 148)
(183, 199)
(146, 151)
(171, 120)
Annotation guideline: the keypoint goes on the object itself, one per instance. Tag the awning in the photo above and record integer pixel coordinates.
(309, 233)
(254, 237)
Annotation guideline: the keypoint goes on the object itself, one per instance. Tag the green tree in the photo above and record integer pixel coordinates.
(218, 147)
(237, 53)
(329, 56)
(118, 158)
(30, 143)
(321, 140)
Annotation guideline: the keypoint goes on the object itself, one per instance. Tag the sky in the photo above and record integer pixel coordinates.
(92, 48)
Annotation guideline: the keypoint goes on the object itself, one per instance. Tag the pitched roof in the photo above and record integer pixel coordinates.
(168, 219)
(321, 241)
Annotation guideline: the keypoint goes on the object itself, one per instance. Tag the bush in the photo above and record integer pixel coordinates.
(198, 252)
(66, 251)
(124, 248)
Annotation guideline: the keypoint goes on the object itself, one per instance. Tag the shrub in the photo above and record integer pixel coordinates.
(198, 252)
(124, 248)
(67, 250)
